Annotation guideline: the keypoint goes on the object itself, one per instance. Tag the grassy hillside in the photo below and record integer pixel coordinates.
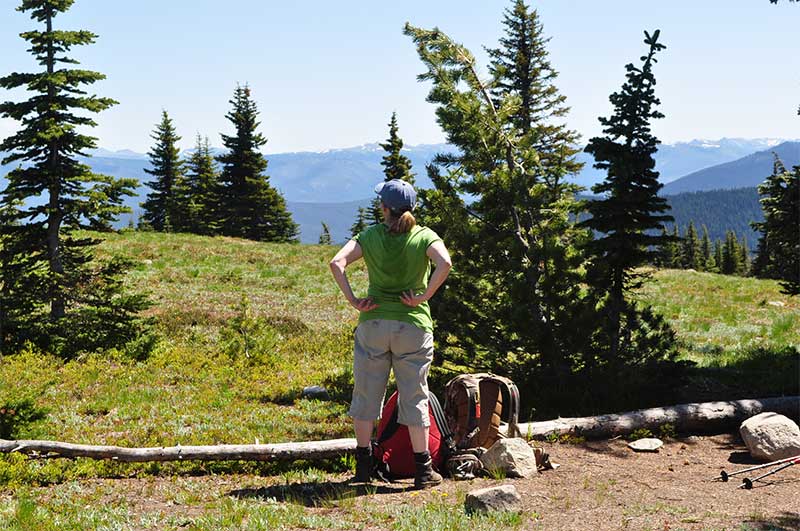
(244, 326)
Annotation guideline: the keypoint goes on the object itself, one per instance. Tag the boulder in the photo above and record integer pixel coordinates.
(315, 392)
(502, 498)
(513, 456)
(646, 445)
(770, 437)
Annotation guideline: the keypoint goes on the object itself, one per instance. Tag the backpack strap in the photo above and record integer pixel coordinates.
(491, 412)
(391, 427)
(441, 423)
(511, 402)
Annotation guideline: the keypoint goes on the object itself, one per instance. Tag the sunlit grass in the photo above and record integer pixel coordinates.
(717, 316)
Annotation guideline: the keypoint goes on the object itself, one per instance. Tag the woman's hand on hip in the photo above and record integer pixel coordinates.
(363, 305)
(410, 299)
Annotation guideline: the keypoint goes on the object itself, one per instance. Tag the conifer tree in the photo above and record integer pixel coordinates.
(360, 223)
(163, 209)
(248, 206)
(54, 293)
(675, 243)
(731, 255)
(718, 256)
(197, 194)
(630, 208)
(395, 166)
(705, 251)
(744, 257)
(325, 236)
(523, 298)
(521, 67)
(780, 201)
(692, 252)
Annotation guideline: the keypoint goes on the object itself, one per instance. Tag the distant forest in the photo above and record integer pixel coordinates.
(719, 211)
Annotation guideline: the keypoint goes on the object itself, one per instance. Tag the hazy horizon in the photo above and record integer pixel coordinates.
(328, 76)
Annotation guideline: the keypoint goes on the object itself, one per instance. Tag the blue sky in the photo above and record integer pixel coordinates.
(328, 74)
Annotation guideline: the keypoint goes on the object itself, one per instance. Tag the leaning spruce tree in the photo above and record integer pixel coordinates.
(360, 223)
(395, 166)
(163, 210)
(510, 302)
(54, 293)
(247, 205)
(325, 235)
(630, 214)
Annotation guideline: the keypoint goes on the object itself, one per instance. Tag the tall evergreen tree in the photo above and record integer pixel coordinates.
(524, 298)
(395, 166)
(197, 194)
(163, 209)
(360, 223)
(780, 201)
(630, 208)
(325, 236)
(248, 206)
(70, 301)
(692, 252)
(705, 251)
(521, 68)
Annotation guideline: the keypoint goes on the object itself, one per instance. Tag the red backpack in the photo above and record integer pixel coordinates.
(392, 449)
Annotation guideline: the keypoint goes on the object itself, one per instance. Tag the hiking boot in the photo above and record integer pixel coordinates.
(363, 465)
(425, 476)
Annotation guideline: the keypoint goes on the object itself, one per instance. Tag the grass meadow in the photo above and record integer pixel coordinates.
(242, 327)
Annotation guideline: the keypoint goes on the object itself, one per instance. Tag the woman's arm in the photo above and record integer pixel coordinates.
(438, 254)
(346, 256)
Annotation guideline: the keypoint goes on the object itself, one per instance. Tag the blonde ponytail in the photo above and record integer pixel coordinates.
(402, 223)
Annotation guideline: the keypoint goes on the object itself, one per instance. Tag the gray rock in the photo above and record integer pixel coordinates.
(315, 392)
(513, 456)
(770, 436)
(502, 498)
(646, 445)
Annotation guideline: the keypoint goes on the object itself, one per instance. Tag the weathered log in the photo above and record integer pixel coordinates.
(223, 452)
(705, 417)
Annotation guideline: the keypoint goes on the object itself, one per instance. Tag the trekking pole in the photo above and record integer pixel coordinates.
(747, 483)
(724, 475)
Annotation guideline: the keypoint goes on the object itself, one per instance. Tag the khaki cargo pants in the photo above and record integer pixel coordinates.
(384, 344)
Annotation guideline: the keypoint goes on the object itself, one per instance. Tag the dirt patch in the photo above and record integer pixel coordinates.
(600, 485)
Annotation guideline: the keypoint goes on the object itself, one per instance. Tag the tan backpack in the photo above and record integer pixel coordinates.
(475, 407)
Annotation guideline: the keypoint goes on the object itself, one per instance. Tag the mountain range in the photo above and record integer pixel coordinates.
(745, 172)
(332, 184)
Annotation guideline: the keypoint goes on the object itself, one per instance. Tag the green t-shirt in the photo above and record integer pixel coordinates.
(397, 263)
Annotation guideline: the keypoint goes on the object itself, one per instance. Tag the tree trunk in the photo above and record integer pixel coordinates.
(54, 217)
(708, 417)
(223, 452)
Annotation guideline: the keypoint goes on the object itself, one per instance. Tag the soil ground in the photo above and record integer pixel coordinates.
(599, 485)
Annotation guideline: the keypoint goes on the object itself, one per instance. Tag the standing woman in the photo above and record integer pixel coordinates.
(395, 329)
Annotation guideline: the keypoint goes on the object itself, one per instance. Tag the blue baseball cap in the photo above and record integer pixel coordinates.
(397, 194)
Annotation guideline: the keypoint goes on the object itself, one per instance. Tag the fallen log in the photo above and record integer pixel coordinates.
(707, 417)
(222, 452)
